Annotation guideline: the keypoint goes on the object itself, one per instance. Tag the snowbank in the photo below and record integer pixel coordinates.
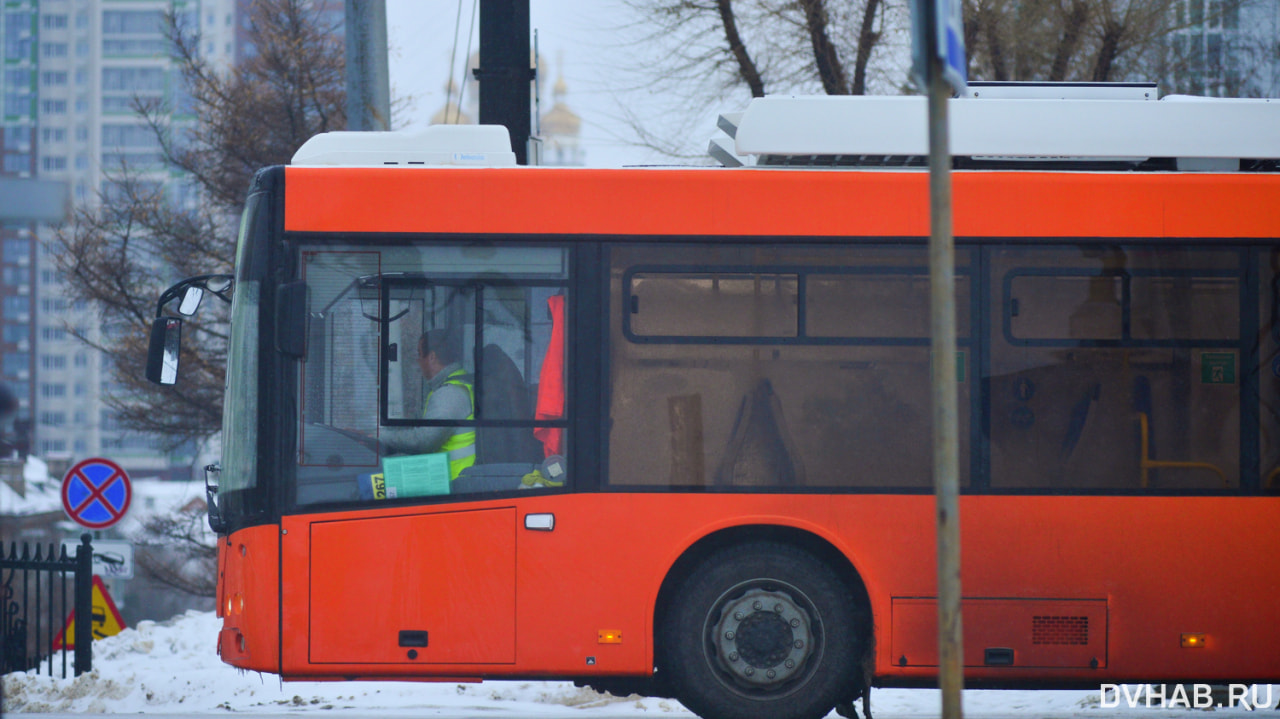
(42, 493)
(172, 667)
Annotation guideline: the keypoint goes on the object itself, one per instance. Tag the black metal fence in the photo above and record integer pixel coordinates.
(35, 603)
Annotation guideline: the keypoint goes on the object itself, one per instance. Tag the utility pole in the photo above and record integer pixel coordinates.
(946, 439)
(505, 73)
(368, 87)
(939, 65)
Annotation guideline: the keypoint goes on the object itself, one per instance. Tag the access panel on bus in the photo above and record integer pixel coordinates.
(423, 588)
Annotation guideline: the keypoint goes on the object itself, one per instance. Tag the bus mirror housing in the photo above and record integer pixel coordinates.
(162, 354)
(166, 332)
(191, 298)
(212, 474)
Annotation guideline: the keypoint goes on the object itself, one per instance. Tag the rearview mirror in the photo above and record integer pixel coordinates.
(190, 301)
(162, 354)
(218, 284)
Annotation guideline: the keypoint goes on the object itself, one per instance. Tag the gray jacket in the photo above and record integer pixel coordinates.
(445, 401)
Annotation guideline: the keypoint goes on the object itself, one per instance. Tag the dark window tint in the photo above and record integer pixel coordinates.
(1117, 368)
(811, 369)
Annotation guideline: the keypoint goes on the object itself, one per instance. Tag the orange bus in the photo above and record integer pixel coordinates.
(697, 457)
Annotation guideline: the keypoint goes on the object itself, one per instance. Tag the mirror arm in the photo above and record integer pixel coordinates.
(178, 287)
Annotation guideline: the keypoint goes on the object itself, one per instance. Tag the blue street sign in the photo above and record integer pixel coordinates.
(946, 19)
(96, 493)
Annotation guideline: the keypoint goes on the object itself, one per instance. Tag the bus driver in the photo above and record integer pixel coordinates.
(450, 394)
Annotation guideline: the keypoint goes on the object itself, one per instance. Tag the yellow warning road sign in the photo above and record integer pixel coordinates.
(104, 618)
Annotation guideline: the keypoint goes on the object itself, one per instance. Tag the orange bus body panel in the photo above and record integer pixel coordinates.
(397, 562)
(248, 583)
(777, 202)
(1154, 567)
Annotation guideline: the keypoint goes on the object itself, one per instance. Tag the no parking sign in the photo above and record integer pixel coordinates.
(96, 493)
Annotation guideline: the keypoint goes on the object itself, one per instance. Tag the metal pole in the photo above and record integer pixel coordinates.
(368, 86)
(504, 71)
(83, 636)
(946, 443)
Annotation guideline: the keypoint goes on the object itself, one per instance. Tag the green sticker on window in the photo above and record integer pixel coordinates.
(1217, 368)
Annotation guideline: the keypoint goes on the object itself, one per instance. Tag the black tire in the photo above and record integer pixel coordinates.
(762, 631)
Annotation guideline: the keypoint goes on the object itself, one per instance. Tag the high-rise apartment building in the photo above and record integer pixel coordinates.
(18, 102)
(1226, 48)
(72, 72)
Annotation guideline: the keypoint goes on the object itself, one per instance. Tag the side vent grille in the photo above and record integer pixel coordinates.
(1059, 630)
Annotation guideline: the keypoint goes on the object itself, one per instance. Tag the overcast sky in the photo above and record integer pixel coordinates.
(586, 34)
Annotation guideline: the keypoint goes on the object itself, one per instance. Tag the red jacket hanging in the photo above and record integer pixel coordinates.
(551, 382)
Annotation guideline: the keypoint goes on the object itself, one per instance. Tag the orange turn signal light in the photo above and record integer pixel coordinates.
(1192, 641)
(610, 636)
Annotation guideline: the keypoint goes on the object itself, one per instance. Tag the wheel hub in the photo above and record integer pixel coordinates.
(763, 638)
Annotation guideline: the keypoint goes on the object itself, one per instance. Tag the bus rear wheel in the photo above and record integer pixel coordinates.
(760, 631)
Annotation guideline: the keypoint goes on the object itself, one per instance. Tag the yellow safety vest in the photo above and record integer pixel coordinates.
(461, 446)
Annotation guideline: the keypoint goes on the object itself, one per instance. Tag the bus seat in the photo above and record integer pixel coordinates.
(1142, 394)
(1078, 418)
(760, 450)
(1142, 407)
(493, 477)
(502, 395)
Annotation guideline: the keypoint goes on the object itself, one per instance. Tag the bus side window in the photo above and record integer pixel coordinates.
(1095, 379)
(778, 367)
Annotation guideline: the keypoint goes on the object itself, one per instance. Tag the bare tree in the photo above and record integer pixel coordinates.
(718, 53)
(689, 57)
(179, 551)
(1081, 40)
(119, 253)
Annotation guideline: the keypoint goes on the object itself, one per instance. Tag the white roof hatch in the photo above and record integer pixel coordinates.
(435, 145)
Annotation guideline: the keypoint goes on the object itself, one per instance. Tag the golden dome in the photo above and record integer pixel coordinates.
(562, 121)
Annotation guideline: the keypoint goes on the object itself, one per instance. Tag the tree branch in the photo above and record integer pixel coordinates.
(747, 69)
(867, 39)
(830, 69)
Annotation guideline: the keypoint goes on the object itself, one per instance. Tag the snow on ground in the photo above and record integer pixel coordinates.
(41, 493)
(172, 667)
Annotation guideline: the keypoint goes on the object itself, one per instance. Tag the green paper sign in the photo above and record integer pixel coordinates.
(1217, 368)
